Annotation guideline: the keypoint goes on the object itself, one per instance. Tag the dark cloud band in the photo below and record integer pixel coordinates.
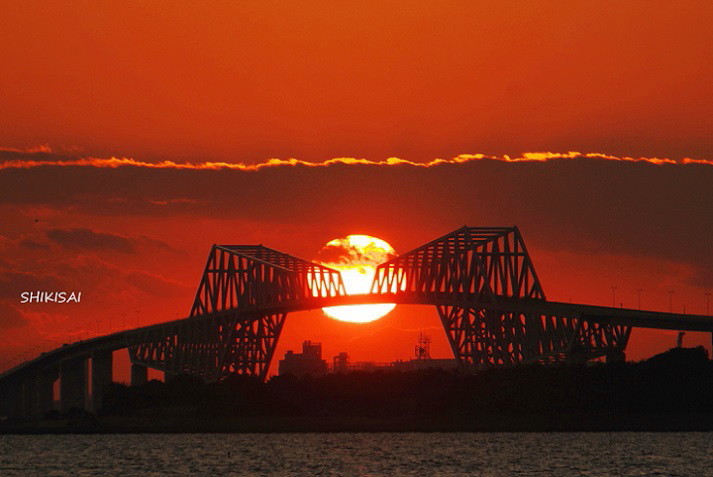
(650, 208)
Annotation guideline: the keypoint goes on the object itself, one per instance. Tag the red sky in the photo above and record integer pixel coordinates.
(244, 83)
(248, 81)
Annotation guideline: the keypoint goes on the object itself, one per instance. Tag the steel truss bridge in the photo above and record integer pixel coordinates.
(481, 280)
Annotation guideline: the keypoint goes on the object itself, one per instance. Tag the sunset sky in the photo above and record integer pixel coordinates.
(134, 135)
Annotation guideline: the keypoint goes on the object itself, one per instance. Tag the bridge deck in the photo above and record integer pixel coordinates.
(601, 314)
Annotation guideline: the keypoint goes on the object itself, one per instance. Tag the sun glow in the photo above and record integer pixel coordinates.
(356, 258)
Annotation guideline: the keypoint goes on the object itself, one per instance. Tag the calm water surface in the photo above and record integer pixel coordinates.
(498, 454)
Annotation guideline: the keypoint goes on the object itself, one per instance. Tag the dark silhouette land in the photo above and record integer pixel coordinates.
(671, 391)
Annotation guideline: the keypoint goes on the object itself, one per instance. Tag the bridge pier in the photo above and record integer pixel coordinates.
(38, 394)
(139, 374)
(45, 391)
(167, 376)
(29, 402)
(30, 398)
(12, 400)
(615, 356)
(576, 357)
(102, 363)
(73, 384)
(4, 402)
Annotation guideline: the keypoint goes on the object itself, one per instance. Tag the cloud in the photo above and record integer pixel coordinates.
(41, 153)
(10, 317)
(589, 203)
(12, 283)
(334, 254)
(341, 251)
(155, 285)
(33, 244)
(146, 242)
(114, 162)
(99, 281)
(86, 239)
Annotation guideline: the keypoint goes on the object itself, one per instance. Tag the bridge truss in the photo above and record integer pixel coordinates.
(480, 276)
(481, 281)
(477, 277)
(237, 315)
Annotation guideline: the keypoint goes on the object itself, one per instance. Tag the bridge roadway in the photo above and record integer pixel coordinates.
(50, 364)
(600, 314)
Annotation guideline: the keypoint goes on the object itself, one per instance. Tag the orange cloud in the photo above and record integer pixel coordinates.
(115, 162)
(45, 148)
(697, 161)
(546, 156)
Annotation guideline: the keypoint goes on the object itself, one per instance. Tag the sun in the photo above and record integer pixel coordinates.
(356, 258)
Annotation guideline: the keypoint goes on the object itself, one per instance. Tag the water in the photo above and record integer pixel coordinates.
(482, 454)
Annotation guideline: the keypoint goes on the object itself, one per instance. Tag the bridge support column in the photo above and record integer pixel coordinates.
(38, 394)
(45, 392)
(102, 362)
(12, 400)
(481, 338)
(576, 357)
(139, 374)
(167, 376)
(29, 397)
(4, 402)
(73, 384)
(615, 356)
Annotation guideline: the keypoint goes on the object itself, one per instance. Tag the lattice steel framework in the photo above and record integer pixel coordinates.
(237, 315)
(211, 346)
(472, 263)
(254, 277)
(477, 276)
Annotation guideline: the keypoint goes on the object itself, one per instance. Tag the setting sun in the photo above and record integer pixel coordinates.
(356, 258)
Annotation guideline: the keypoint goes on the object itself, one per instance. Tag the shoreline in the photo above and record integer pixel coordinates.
(268, 425)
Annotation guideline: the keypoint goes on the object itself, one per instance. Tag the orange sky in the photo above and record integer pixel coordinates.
(244, 81)
(134, 238)
(241, 83)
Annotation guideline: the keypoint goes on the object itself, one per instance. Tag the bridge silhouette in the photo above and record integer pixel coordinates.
(481, 280)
